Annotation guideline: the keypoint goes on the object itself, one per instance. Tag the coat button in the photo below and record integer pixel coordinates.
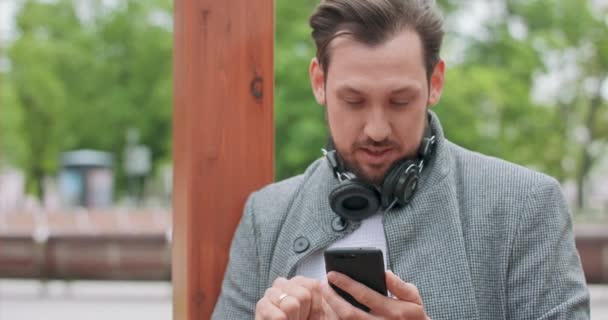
(301, 244)
(339, 224)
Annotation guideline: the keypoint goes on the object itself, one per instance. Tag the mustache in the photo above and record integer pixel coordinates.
(369, 143)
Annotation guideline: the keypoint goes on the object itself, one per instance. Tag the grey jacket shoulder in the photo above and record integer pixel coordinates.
(272, 202)
(493, 183)
(521, 216)
(488, 171)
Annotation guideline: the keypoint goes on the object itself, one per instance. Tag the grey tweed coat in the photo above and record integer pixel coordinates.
(482, 239)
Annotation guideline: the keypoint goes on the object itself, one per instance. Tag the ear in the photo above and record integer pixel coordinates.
(436, 83)
(317, 81)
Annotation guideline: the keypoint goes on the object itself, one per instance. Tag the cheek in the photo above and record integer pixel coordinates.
(344, 127)
(410, 130)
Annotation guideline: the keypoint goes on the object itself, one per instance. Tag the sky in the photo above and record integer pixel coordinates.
(7, 12)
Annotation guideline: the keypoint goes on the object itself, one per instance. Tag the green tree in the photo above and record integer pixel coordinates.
(82, 80)
(36, 59)
(526, 45)
(299, 122)
(12, 144)
(573, 34)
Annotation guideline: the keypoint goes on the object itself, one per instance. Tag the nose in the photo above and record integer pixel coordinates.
(377, 126)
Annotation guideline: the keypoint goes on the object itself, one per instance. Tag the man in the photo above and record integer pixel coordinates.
(479, 239)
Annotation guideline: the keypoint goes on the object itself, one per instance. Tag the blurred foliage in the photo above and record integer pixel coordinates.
(81, 83)
(12, 144)
(527, 46)
(572, 36)
(80, 80)
(299, 122)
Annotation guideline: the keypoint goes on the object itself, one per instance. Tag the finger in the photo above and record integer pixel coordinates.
(328, 312)
(306, 282)
(267, 310)
(314, 287)
(291, 307)
(360, 292)
(273, 295)
(298, 292)
(280, 299)
(404, 291)
(316, 307)
(341, 307)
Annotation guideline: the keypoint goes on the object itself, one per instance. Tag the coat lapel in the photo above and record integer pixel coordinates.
(427, 248)
(426, 244)
(309, 218)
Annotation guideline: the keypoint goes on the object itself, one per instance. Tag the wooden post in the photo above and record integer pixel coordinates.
(223, 137)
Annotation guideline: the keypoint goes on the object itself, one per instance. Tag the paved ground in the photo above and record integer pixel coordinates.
(599, 302)
(29, 300)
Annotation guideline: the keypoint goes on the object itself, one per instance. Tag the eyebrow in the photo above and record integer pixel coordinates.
(405, 89)
(350, 89)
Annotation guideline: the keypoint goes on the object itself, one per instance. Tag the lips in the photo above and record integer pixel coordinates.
(377, 150)
(376, 155)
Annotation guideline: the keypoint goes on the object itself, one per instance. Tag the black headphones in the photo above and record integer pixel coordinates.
(355, 200)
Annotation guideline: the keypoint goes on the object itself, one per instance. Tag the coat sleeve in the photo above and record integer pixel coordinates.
(241, 287)
(545, 279)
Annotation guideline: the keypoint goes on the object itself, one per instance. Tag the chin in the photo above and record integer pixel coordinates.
(372, 175)
(375, 170)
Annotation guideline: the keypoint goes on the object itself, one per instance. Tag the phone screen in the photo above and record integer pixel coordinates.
(365, 265)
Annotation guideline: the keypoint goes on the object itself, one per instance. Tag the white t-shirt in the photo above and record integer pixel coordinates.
(369, 234)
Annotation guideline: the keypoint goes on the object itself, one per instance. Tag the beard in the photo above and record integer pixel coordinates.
(351, 164)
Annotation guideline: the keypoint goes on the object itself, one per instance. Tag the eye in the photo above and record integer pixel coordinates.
(399, 103)
(354, 102)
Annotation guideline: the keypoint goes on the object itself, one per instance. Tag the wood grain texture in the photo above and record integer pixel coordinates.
(223, 136)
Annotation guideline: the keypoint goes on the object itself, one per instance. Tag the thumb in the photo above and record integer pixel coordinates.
(402, 290)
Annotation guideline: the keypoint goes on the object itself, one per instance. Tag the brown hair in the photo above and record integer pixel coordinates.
(375, 21)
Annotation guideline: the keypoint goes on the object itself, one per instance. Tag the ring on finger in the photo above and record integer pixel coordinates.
(282, 296)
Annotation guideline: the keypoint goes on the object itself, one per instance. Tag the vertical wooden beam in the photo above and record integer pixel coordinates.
(223, 136)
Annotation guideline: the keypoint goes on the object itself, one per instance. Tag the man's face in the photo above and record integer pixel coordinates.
(376, 100)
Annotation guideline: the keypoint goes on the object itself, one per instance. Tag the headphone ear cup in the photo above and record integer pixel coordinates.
(400, 183)
(390, 182)
(406, 185)
(353, 200)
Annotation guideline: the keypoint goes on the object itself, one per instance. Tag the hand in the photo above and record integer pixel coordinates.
(299, 298)
(407, 303)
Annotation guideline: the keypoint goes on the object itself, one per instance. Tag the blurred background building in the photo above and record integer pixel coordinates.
(85, 134)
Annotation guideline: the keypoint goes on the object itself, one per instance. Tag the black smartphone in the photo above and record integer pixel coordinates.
(364, 265)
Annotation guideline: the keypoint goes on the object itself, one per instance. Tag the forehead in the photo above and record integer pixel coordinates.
(397, 61)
